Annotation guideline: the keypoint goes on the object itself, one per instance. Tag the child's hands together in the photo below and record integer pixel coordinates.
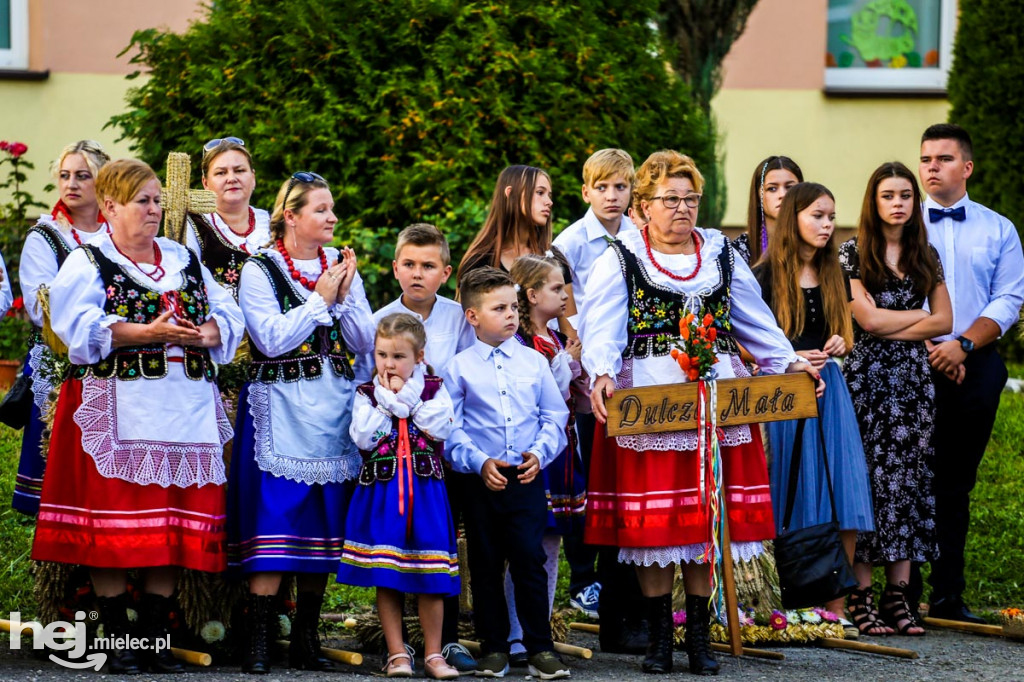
(530, 467)
(574, 348)
(393, 381)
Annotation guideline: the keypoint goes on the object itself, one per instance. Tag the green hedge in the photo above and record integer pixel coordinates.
(987, 95)
(410, 109)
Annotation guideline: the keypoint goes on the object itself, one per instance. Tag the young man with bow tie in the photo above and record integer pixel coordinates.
(983, 264)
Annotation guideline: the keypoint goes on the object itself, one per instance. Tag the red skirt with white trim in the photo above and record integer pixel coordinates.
(652, 498)
(88, 519)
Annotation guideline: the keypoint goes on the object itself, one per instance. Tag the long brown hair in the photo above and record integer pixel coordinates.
(916, 258)
(784, 259)
(755, 205)
(510, 220)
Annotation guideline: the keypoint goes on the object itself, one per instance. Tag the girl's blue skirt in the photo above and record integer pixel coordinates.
(566, 489)
(846, 461)
(383, 550)
(276, 524)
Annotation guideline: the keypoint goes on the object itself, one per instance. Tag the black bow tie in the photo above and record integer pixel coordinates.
(936, 214)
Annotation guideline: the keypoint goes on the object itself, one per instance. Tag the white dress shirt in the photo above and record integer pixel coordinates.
(448, 333)
(983, 265)
(506, 402)
(582, 243)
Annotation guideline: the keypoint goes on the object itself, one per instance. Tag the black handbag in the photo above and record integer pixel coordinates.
(811, 562)
(16, 407)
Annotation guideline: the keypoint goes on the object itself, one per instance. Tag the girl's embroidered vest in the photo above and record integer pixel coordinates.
(306, 361)
(61, 251)
(380, 463)
(128, 298)
(655, 311)
(221, 257)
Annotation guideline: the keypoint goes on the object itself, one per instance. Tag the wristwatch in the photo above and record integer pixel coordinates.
(965, 344)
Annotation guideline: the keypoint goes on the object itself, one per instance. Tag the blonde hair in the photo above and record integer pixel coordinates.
(121, 180)
(402, 324)
(666, 163)
(531, 272)
(607, 163)
(223, 147)
(91, 151)
(297, 193)
(423, 234)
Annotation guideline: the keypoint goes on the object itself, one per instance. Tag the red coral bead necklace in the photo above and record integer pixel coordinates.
(158, 270)
(252, 226)
(294, 271)
(665, 271)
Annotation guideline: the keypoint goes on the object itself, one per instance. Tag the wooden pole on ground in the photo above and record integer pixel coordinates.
(832, 643)
(199, 658)
(340, 655)
(976, 628)
(567, 649)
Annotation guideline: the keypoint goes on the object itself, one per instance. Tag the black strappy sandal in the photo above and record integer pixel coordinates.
(865, 617)
(895, 610)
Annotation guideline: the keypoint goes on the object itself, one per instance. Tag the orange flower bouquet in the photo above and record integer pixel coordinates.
(695, 350)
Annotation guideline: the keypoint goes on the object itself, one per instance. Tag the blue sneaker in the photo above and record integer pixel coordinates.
(458, 657)
(587, 600)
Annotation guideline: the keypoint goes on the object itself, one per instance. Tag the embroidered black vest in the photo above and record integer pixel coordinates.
(654, 311)
(129, 298)
(223, 259)
(61, 251)
(380, 464)
(307, 360)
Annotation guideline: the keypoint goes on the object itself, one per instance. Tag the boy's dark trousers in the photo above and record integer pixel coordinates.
(508, 526)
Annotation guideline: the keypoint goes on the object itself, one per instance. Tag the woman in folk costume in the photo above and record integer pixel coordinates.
(76, 219)
(225, 238)
(643, 490)
(306, 314)
(136, 477)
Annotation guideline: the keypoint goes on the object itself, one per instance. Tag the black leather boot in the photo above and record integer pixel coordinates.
(259, 612)
(659, 622)
(114, 615)
(304, 650)
(698, 636)
(155, 622)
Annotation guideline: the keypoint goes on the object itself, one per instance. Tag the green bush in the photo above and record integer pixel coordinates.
(987, 95)
(411, 109)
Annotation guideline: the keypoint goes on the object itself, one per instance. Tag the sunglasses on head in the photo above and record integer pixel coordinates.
(304, 177)
(212, 144)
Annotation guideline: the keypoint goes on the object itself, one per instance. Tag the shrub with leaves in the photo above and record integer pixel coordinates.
(411, 108)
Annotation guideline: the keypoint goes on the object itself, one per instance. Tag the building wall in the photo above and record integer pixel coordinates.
(772, 102)
(78, 43)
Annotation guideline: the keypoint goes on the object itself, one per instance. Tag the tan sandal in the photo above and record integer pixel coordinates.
(394, 669)
(441, 671)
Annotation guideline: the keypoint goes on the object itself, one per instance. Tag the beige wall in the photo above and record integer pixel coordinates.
(772, 102)
(78, 43)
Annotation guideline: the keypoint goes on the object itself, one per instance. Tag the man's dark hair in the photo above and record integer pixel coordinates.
(951, 131)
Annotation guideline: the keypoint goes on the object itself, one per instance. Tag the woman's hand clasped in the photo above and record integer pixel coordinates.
(835, 347)
(335, 283)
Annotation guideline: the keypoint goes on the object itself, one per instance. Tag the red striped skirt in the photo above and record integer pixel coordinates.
(652, 498)
(88, 519)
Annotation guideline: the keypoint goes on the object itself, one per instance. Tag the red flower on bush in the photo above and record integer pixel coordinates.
(16, 149)
(18, 303)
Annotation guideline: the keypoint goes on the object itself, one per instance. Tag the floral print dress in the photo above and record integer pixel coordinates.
(894, 398)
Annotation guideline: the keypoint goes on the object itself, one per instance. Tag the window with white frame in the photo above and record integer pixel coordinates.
(889, 45)
(13, 34)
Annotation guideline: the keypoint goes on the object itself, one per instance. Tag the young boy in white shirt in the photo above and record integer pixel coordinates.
(509, 424)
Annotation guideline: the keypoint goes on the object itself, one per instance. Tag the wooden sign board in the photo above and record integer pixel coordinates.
(673, 407)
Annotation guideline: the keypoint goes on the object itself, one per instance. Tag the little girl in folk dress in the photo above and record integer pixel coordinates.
(399, 535)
